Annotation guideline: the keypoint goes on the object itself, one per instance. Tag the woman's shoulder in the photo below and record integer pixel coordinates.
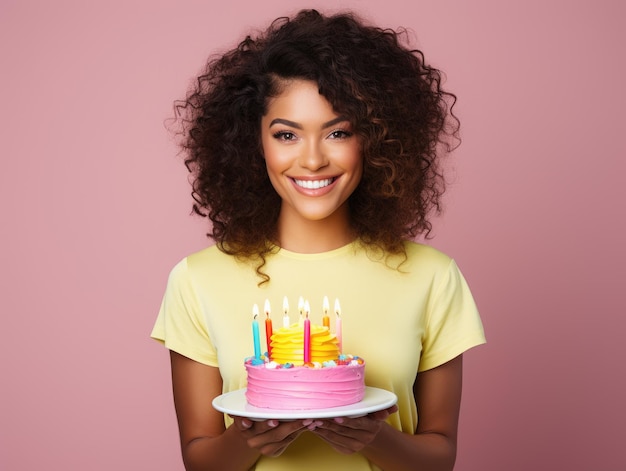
(209, 256)
(212, 263)
(423, 253)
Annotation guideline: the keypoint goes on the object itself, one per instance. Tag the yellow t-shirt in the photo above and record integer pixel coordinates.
(401, 318)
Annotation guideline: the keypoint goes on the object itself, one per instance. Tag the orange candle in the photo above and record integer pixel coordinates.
(268, 329)
(326, 319)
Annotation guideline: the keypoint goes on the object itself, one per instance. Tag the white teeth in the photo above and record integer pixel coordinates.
(313, 184)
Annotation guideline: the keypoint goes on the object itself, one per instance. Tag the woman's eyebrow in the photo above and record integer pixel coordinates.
(286, 122)
(293, 124)
(332, 122)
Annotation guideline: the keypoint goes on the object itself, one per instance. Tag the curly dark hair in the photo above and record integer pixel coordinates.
(393, 99)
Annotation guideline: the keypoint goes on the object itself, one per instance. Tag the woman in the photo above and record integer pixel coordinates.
(315, 152)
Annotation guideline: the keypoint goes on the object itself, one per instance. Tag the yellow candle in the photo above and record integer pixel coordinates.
(285, 312)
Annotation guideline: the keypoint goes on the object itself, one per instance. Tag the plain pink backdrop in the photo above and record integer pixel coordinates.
(95, 211)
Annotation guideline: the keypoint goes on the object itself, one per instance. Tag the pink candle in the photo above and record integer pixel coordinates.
(338, 324)
(268, 328)
(307, 337)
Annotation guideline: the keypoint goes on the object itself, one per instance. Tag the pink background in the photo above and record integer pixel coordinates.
(95, 211)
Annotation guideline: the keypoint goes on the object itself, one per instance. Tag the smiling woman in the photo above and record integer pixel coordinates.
(392, 99)
(314, 163)
(313, 150)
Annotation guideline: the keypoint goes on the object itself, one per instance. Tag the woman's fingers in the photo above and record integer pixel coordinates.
(269, 437)
(349, 435)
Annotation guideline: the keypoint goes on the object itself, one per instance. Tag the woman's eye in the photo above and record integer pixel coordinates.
(340, 134)
(284, 136)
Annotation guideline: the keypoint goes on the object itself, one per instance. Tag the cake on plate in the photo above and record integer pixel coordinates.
(283, 380)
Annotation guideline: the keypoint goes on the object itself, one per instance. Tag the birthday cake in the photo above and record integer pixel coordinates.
(283, 380)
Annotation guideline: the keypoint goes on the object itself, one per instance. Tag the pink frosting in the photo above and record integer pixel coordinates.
(305, 388)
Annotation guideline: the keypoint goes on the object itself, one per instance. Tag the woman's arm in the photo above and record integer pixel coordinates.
(205, 442)
(432, 448)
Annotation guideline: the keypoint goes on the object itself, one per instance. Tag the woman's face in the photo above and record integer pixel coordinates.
(312, 156)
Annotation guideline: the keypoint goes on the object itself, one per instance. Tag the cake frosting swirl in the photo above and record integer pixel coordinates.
(288, 345)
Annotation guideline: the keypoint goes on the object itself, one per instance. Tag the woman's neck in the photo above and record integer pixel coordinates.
(310, 236)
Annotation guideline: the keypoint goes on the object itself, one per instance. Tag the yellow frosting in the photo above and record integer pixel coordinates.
(288, 344)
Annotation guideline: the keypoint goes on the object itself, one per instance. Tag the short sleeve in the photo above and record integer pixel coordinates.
(453, 323)
(180, 325)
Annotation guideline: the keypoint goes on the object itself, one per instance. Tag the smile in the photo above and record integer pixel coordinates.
(313, 184)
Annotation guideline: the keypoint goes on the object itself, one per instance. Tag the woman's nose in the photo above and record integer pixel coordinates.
(313, 157)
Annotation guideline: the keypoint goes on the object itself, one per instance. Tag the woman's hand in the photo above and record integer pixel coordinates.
(351, 435)
(268, 437)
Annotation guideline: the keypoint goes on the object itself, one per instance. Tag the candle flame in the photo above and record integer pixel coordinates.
(285, 305)
(267, 307)
(326, 305)
(307, 308)
(337, 307)
(255, 311)
(300, 304)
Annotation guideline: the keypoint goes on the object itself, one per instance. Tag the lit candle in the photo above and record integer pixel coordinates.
(301, 308)
(268, 328)
(307, 335)
(326, 319)
(255, 332)
(338, 324)
(285, 312)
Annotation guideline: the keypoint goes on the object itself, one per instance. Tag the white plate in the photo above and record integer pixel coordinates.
(234, 403)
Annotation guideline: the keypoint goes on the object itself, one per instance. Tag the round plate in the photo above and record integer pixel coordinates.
(234, 403)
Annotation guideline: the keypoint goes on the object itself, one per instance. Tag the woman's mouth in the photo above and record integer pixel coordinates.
(314, 184)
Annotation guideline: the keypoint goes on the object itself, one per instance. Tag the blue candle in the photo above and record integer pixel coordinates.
(255, 332)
